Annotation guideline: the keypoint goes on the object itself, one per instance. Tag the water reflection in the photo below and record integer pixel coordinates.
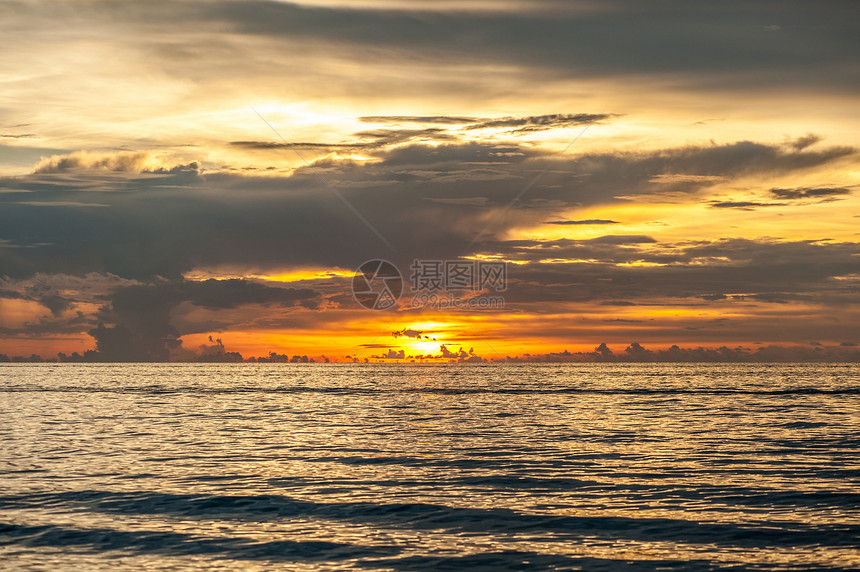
(404, 467)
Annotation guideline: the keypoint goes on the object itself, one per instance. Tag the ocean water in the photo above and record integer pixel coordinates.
(429, 467)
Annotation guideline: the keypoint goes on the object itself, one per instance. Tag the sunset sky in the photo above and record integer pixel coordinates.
(668, 172)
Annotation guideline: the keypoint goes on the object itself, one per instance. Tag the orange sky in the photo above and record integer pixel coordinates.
(642, 183)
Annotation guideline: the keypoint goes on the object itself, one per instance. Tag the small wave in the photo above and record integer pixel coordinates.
(424, 516)
(436, 391)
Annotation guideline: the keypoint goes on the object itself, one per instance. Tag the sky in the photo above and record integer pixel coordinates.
(661, 173)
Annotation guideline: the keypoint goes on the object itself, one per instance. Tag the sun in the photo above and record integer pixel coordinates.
(424, 338)
(423, 347)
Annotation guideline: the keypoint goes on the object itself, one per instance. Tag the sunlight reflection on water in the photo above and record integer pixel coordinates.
(341, 466)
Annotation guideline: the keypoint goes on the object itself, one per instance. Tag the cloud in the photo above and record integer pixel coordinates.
(71, 300)
(464, 201)
(443, 119)
(735, 271)
(234, 292)
(59, 204)
(681, 178)
(378, 139)
(823, 194)
(583, 222)
(385, 137)
(392, 354)
(809, 193)
(120, 162)
(269, 145)
(637, 353)
(430, 200)
(618, 38)
(622, 239)
(542, 122)
(745, 205)
(127, 162)
(801, 143)
(459, 355)
(410, 333)
(141, 315)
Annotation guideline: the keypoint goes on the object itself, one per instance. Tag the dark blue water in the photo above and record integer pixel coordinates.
(429, 467)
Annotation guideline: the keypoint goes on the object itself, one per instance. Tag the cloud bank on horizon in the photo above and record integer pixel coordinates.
(656, 173)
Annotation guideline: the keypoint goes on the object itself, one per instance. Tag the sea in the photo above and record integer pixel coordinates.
(228, 467)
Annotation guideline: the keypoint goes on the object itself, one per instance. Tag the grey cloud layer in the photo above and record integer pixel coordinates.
(757, 41)
(430, 201)
(730, 45)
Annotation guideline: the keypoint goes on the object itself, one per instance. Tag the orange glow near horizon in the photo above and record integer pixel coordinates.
(365, 334)
(286, 275)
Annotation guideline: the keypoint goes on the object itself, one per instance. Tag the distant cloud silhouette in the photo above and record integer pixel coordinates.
(589, 221)
(810, 192)
(143, 329)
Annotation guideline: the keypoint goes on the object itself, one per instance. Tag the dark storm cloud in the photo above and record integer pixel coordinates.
(142, 327)
(138, 322)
